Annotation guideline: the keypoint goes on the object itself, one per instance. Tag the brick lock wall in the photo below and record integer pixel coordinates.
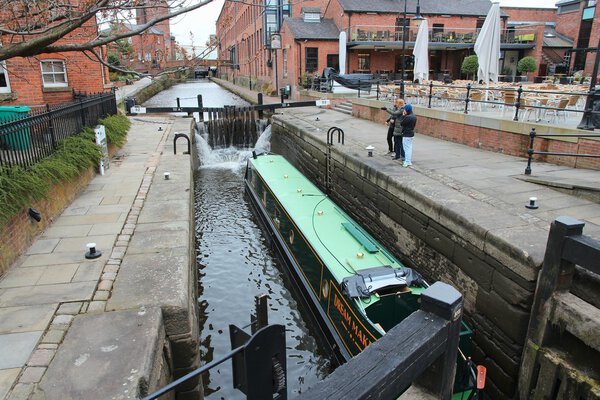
(497, 300)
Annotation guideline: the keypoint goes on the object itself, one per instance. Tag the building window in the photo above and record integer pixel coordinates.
(591, 3)
(54, 73)
(4, 84)
(285, 64)
(364, 62)
(438, 28)
(568, 8)
(312, 59)
(333, 61)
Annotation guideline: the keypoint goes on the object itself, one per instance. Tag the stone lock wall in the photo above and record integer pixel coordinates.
(443, 239)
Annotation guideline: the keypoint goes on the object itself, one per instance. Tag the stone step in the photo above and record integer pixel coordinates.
(345, 107)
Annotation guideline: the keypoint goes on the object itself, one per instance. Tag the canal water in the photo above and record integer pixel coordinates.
(235, 263)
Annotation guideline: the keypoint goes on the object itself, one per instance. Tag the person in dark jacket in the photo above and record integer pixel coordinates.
(396, 113)
(408, 123)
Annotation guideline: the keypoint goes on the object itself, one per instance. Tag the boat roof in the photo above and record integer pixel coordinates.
(344, 246)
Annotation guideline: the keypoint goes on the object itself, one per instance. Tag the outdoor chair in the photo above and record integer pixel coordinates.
(508, 100)
(475, 98)
(560, 106)
(526, 109)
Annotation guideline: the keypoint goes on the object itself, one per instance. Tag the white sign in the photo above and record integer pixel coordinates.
(275, 41)
(100, 132)
(322, 103)
(138, 110)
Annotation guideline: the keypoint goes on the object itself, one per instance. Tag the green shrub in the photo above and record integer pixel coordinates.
(527, 64)
(116, 128)
(470, 65)
(19, 186)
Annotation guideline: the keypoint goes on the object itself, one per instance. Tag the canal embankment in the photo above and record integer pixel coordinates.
(123, 324)
(458, 215)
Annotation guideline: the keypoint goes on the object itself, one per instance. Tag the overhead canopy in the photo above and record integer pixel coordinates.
(487, 46)
(421, 53)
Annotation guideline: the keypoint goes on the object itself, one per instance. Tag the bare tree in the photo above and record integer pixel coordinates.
(32, 27)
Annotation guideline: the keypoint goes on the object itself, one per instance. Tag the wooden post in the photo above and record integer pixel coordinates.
(444, 301)
(556, 275)
(200, 108)
(427, 337)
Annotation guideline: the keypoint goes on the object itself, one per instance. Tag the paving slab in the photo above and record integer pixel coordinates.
(17, 277)
(88, 271)
(106, 350)
(164, 236)
(16, 348)
(26, 319)
(62, 273)
(42, 246)
(67, 231)
(38, 260)
(87, 219)
(78, 245)
(45, 294)
(7, 378)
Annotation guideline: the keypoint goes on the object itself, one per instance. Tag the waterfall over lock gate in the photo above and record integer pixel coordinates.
(232, 155)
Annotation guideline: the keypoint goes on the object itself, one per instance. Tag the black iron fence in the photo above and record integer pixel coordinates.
(518, 103)
(28, 134)
(531, 151)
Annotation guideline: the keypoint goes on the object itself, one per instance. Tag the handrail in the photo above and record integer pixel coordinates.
(531, 151)
(265, 344)
(464, 100)
(193, 374)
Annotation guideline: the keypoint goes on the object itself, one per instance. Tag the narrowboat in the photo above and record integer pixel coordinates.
(353, 287)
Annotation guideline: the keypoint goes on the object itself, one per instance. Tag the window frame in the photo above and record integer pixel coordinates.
(4, 71)
(54, 73)
(313, 59)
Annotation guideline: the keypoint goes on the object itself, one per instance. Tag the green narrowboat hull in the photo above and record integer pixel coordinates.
(354, 288)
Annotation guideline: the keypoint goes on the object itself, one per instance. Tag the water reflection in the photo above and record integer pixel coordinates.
(235, 265)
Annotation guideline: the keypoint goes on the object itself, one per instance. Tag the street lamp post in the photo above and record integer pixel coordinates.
(403, 49)
(417, 17)
(586, 121)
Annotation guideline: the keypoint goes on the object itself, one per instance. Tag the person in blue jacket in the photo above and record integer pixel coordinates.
(408, 123)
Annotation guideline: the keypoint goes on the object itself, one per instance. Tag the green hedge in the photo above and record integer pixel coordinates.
(19, 186)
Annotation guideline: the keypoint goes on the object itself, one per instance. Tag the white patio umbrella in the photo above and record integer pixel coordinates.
(487, 46)
(421, 53)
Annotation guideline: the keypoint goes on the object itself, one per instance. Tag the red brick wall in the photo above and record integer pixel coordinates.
(500, 141)
(530, 14)
(18, 234)
(568, 24)
(83, 74)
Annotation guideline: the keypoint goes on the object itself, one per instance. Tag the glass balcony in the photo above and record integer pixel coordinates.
(372, 33)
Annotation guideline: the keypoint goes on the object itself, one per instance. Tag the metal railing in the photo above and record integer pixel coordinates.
(518, 102)
(392, 33)
(33, 135)
(262, 350)
(531, 151)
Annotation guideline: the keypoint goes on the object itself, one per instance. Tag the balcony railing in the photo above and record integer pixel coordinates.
(376, 33)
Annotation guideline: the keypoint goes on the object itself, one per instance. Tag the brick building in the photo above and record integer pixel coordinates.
(579, 21)
(52, 78)
(376, 41)
(152, 50)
